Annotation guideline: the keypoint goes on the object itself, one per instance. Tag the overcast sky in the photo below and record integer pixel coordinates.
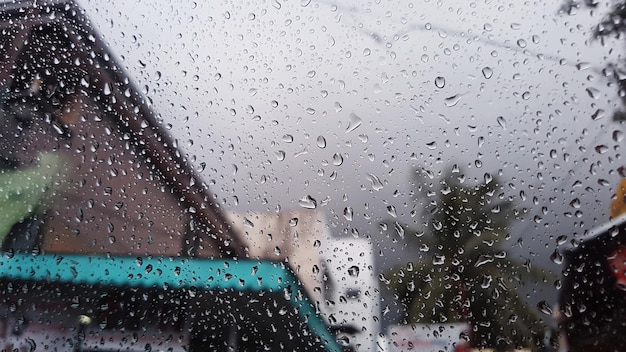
(287, 99)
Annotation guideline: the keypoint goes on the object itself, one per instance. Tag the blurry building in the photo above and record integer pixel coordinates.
(338, 274)
(111, 241)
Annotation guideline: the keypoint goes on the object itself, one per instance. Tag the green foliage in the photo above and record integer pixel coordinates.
(465, 273)
(21, 191)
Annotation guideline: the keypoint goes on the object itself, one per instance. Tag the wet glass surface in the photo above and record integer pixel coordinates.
(312, 175)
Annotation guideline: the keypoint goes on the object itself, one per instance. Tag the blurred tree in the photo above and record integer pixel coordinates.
(465, 273)
(613, 25)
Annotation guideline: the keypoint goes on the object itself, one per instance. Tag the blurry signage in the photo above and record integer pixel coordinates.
(428, 337)
(618, 205)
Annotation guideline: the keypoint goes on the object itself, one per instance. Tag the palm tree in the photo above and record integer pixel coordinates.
(464, 273)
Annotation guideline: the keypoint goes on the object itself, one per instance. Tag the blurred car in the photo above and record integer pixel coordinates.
(592, 301)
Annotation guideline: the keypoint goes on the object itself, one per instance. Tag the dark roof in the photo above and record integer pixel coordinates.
(132, 109)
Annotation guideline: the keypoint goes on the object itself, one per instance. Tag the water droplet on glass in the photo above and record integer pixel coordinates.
(280, 155)
(293, 222)
(337, 159)
(107, 89)
(308, 202)
(439, 260)
(482, 260)
(556, 257)
(399, 229)
(487, 72)
(453, 100)
(353, 271)
(348, 213)
(391, 210)
(601, 149)
(355, 122)
(486, 282)
(544, 307)
(521, 43)
(593, 93)
(583, 66)
(597, 115)
(618, 136)
(321, 142)
(440, 82)
(377, 185)
(501, 122)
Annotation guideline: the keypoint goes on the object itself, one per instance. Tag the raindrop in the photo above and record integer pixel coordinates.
(293, 222)
(618, 136)
(348, 213)
(601, 149)
(280, 155)
(353, 271)
(308, 202)
(583, 66)
(391, 210)
(247, 222)
(399, 229)
(501, 122)
(592, 92)
(544, 307)
(575, 203)
(521, 43)
(487, 72)
(337, 159)
(355, 122)
(107, 89)
(321, 142)
(377, 185)
(453, 100)
(288, 138)
(439, 260)
(556, 257)
(482, 260)
(535, 39)
(440, 82)
(487, 279)
(597, 115)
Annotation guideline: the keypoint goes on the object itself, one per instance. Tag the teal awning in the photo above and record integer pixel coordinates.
(170, 274)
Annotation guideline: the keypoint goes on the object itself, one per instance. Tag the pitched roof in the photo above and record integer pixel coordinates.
(132, 110)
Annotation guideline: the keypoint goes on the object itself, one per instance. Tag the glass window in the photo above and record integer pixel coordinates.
(312, 175)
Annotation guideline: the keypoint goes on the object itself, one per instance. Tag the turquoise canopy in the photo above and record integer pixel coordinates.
(170, 273)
